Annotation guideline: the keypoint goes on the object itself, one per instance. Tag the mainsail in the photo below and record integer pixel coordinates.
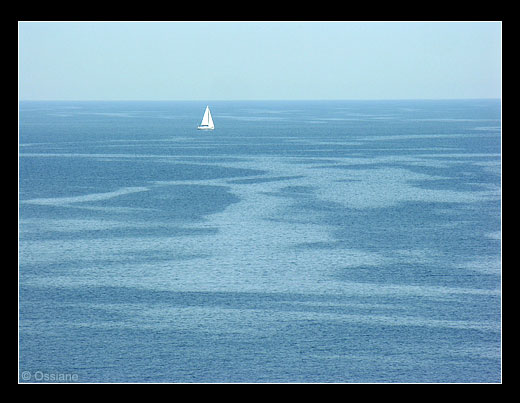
(207, 121)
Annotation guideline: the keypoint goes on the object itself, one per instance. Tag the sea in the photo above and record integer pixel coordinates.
(297, 242)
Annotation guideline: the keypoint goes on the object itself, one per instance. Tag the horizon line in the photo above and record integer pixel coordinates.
(260, 99)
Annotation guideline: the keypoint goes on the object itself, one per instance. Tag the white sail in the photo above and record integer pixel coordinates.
(207, 121)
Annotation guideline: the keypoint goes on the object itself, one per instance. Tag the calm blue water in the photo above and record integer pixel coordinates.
(332, 241)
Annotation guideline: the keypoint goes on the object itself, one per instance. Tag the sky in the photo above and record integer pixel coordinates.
(258, 60)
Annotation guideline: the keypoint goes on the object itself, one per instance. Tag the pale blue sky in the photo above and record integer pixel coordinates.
(259, 60)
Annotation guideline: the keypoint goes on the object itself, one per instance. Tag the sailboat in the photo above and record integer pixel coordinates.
(207, 121)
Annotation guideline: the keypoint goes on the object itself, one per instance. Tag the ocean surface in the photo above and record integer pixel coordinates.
(298, 242)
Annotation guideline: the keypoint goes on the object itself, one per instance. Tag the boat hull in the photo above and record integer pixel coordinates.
(205, 128)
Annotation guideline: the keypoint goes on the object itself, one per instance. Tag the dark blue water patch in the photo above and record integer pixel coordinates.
(420, 274)
(447, 184)
(311, 353)
(126, 231)
(466, 235)
(463, 173)
(147, 258)
(91, 344)
(212, 160)
(311, 161)
(40, 211)
(471, 307)
(263, 180)
(353, 167)
(463, 158)
(161, 207)
(80, 302)
(59, 176)
(466, 227)
(294, 191)
(167, 203)
(124, 295)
